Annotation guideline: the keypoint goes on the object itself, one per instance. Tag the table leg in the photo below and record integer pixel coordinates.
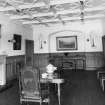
(59, 94)
(103, 84)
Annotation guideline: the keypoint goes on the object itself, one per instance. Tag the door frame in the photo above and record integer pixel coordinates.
(26, 42)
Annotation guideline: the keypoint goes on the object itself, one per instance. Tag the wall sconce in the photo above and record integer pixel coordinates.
(42, 44)
(12, 40)
(93, 43)
(41, 41)
(92, 38)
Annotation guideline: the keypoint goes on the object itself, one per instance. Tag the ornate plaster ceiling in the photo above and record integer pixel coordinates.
(52, 11)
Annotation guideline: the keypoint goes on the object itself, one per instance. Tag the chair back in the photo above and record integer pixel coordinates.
(30, 80)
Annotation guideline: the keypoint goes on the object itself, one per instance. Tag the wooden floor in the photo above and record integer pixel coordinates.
(10, 95)
(83, 89)
(80, 88)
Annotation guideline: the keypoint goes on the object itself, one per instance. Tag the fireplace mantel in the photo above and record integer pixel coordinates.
(70, 62)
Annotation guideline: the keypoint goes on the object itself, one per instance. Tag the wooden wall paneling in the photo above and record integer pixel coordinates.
(36, 60)
(13, 65)
(75, 60)
(79, 64)
(41, 61)
(9, 72)
(103, 43)
(58, 61)
(94, 60)
(2, 69)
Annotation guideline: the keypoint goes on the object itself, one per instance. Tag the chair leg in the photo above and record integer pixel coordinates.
(48, 101)
(20, 102)
(102, 84)
(40, 101)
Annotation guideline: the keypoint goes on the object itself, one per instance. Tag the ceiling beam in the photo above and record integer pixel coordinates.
(34, 15)
(39, 4)
(65, 19)
(59, 13)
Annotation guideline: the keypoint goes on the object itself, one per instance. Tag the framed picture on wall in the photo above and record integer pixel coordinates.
(17, 43)
(66, 43)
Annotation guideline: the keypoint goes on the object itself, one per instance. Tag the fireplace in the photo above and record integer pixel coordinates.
(70, 62)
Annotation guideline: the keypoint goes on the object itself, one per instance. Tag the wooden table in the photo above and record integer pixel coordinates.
(56, 81)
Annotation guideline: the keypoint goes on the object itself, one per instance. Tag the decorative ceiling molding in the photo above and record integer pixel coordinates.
(39, 4)
(50, 11)
(60, 12)
(66, 19)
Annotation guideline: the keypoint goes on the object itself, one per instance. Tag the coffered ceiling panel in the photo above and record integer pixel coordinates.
(52, 11)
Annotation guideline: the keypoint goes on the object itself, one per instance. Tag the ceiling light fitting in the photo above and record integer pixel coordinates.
(82, 5)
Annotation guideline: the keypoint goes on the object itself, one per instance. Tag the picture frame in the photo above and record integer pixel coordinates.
(66, 43)
(17, 43)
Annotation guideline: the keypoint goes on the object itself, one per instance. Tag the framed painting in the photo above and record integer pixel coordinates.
(66, 43)
(17, 44)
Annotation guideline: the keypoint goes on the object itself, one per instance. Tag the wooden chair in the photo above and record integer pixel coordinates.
(100, 73)
(101, 77)
(29, 85)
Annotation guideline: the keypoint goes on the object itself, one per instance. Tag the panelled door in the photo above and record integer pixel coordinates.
(29, 52)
